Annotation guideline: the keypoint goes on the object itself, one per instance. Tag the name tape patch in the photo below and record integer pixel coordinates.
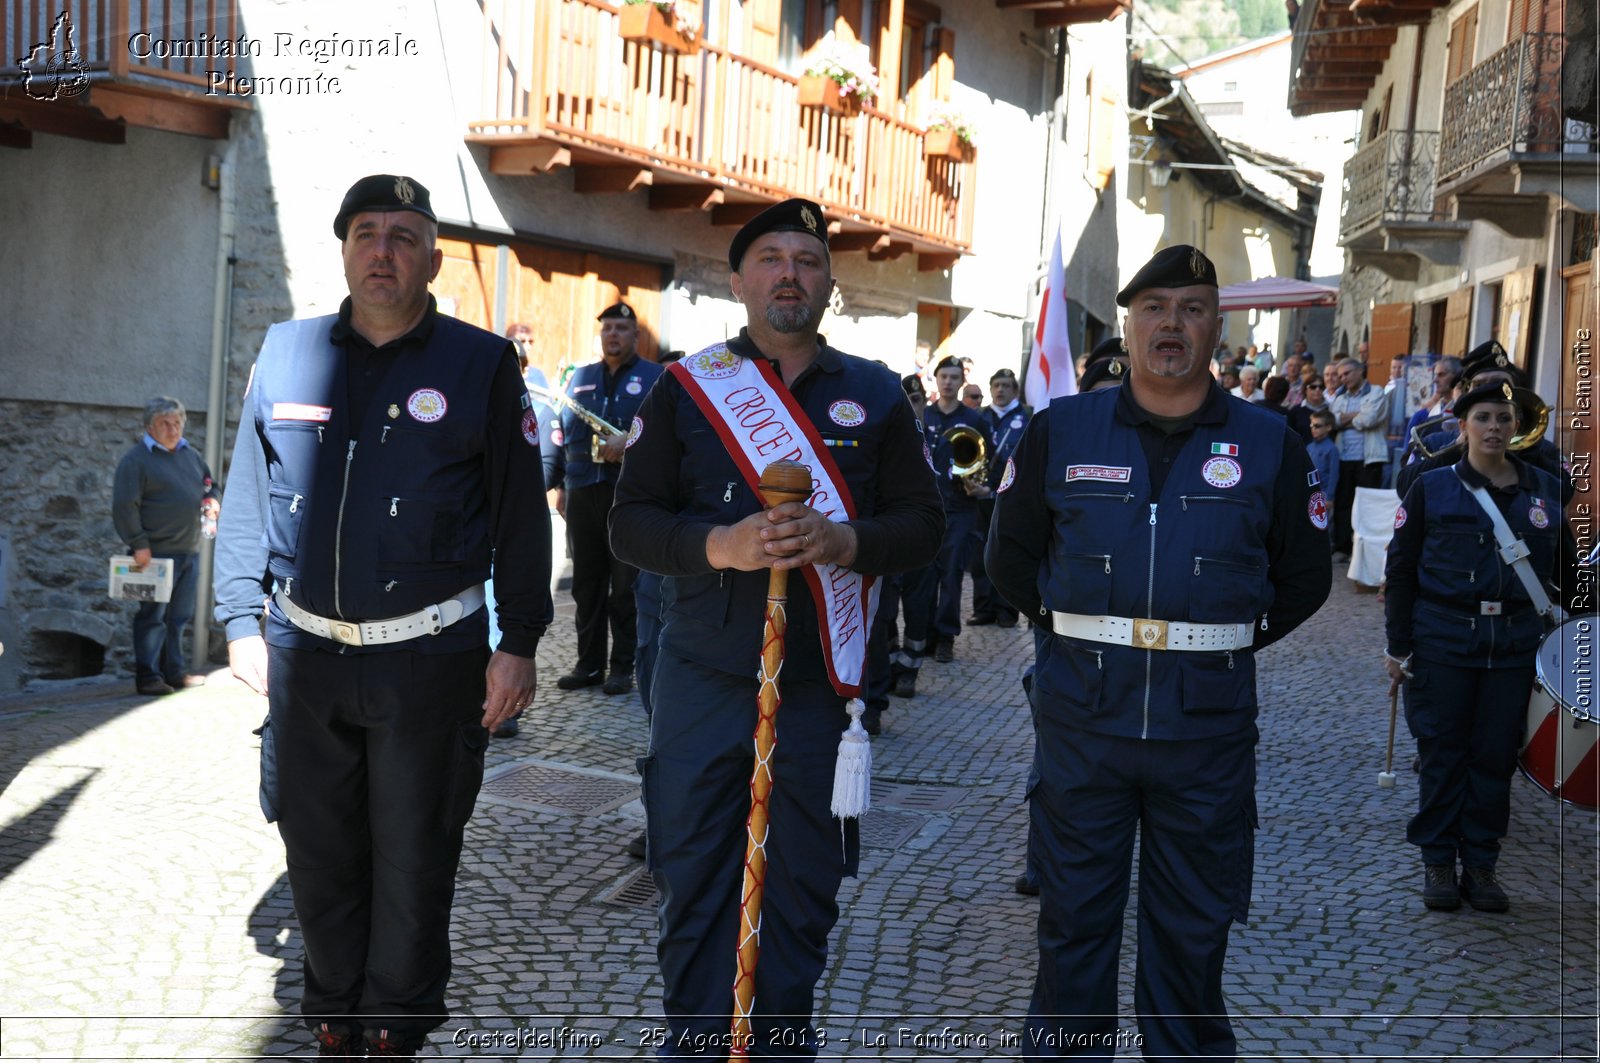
(1119, 474)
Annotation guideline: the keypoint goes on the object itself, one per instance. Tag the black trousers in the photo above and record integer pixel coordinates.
(986, 602)
(602, 586)
(1468, 725)
(697, 799)
(380, 757)
(1192, 806)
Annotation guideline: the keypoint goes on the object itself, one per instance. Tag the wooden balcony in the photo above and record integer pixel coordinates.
(707, 130)
(90, 68)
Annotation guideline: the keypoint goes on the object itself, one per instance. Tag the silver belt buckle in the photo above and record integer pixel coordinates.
(1149, 634)
(340, 631)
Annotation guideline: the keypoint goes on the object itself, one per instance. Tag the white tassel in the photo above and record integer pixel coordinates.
(852, 772)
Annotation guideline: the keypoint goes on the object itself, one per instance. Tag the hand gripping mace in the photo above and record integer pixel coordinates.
(782, 481)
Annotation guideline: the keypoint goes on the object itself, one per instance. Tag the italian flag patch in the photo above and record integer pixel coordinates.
(1230, 450)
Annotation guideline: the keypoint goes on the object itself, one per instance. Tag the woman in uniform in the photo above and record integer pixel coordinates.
(1463, 631)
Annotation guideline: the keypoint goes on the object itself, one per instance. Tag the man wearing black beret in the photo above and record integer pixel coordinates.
(385, 455)
(611, 390)
(688, 507)
(1164, 531)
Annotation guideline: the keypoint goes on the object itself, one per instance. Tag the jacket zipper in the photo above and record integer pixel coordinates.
(1149, 608)
(338, 530)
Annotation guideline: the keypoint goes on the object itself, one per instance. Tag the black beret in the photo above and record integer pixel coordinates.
(1178, 266)
(1100, 371)
(1489, 393)
(1110, 347)
(622, 310)
(1483, 358)
(790, 216)
(384, 192)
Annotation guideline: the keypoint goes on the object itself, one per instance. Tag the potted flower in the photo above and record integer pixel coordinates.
(840, 78)
(656, 22)
(949, 136)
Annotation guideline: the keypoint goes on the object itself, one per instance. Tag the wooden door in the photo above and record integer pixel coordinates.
(1457, 323)
(1516, 315)
(1576, 432)
(1391, 337)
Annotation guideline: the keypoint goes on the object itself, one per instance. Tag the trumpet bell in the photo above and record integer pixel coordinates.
(969, 453)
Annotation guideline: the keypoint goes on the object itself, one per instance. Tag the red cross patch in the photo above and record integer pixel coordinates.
(1317, 510)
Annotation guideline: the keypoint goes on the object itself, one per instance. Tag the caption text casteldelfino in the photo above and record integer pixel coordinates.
(320, 50)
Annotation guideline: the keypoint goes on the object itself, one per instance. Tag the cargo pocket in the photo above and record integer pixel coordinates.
(647, 791)
(1249, 822)
(267, 793)
(472, 741)
(419, 530)
(286, 509)
(1217, 682)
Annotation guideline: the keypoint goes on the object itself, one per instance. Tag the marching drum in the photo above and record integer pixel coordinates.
(1559, 744)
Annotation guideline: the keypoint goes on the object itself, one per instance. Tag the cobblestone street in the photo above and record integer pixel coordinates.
(147, 914)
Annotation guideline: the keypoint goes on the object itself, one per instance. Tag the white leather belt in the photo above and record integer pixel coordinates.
(1154, 634)
(428, 621)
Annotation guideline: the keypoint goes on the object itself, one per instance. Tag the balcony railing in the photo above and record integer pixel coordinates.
(560, 71)
(1511, 103)
(171, 44)
(1390, 179)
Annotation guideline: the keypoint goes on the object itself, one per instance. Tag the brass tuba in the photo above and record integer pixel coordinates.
(1533, 417)
(969, 454)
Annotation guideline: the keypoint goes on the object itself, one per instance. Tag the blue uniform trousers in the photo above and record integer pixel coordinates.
(950, 565)
(986, 603)
(380, 757)
(1192, 804)
(880, 671)
(1468, 725)
(917, 590)
(697, 797)
(158, 626)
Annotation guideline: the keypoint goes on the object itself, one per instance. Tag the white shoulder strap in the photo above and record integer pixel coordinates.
(1514, 552)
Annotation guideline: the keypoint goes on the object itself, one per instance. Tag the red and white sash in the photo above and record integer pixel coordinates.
(760, 422)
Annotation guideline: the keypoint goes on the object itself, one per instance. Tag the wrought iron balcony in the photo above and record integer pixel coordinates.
(1389, 180)
(88, 68)
(707, 129)
(1509, 106)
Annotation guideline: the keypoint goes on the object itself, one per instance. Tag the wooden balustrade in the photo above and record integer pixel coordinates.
(708, 124)
(123, 38)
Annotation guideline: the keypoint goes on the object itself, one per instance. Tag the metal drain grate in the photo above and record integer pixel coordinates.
(916, 798)
(890, 830)
(551, 788)
(637, 891)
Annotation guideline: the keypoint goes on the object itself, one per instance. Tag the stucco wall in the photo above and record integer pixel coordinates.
(108, 285)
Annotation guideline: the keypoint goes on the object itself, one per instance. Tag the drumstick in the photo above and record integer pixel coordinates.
(781, 481)
(1386, 776)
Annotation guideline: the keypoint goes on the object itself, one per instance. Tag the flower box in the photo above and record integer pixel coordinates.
(824, 92)
(946, 144)
(645, 24)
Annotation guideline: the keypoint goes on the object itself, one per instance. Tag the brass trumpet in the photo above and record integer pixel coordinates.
(969, 454)
(600, 429)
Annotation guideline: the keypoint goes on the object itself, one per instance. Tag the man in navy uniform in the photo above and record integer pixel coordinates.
(1005, 417)
(1164, 532)
(960, 494)
(687, 507)
(602, 585)
(384, 454)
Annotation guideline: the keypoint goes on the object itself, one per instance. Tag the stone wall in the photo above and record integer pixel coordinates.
(56, 466)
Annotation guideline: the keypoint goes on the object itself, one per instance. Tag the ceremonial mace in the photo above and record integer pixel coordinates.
(1386, 776)
(782, 481)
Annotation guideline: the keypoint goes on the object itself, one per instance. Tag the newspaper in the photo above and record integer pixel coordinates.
(130, 584)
